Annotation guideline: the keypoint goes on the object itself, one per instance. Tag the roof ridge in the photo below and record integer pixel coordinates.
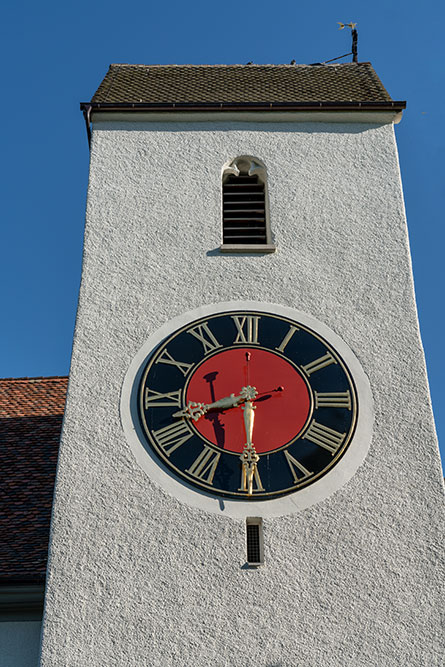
(250, 65)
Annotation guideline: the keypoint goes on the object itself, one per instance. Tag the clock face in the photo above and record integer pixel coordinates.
(247, 404)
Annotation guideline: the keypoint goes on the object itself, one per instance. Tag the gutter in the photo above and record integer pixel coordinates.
(86, 108)
(89, 108)
(21, 601)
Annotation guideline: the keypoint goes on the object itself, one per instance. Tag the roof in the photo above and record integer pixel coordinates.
(240, 84)
(31, 413)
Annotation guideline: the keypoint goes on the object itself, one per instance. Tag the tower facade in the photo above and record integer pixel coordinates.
(248, 472)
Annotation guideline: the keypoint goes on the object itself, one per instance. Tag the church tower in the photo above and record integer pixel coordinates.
(248, 472)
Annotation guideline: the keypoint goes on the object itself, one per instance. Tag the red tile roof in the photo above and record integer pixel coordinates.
(31, 413)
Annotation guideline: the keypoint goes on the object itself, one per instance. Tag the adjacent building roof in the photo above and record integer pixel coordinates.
(350, 82)
(31, 413)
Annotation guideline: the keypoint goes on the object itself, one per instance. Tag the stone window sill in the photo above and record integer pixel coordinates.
(250, 248)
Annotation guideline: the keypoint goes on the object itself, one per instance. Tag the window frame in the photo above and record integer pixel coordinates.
(252, 166)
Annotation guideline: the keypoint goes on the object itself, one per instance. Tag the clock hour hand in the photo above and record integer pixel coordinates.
(249, 416)
(196, 410)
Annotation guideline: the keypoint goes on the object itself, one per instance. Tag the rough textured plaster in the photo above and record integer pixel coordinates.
(137, 577)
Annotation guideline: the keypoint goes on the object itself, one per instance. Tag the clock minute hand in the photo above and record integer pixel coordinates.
(196, 410)
(249, 457)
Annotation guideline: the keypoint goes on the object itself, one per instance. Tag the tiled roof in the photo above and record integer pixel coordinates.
(348, 82)
(31, 413)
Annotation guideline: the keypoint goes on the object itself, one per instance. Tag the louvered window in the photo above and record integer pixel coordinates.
(254, 541)
(244, 210)
(245, 214)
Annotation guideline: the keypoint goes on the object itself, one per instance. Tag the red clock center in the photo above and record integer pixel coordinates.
(279, 415)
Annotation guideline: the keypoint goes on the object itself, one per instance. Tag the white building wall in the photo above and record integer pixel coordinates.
(19, 643)
(137, 577)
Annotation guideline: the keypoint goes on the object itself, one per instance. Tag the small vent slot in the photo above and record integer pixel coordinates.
(244, 211)
(254, 541)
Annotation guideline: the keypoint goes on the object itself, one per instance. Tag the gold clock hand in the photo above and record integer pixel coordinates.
(249, 417)
(249, 457)
(192, 411)
(196, 410)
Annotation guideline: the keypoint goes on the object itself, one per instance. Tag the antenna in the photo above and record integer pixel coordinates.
(354, 38)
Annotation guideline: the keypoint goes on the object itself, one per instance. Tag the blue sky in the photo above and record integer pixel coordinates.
(55, 56)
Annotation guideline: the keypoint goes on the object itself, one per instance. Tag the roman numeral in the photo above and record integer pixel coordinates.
(257, 484)
(153, 399)
(172, 436)
(166, 358)
(205, 336)
(287, 338)
(205, 465)
(295, 466)
(323, 436)
(247, 328)
(340, 399)
(318, 364)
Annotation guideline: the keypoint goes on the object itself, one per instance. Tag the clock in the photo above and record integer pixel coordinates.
(250, 403)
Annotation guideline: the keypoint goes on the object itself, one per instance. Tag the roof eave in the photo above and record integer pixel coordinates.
(89, 108)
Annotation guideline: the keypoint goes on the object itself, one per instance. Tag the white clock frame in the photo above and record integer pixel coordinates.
(322, 488)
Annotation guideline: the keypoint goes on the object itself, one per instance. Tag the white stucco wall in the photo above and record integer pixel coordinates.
(137, 577)
(19, 643)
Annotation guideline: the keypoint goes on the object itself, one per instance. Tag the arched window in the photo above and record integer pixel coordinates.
(245, 211)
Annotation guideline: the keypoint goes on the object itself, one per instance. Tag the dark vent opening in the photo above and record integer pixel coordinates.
(244, 211)
(253, 543)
